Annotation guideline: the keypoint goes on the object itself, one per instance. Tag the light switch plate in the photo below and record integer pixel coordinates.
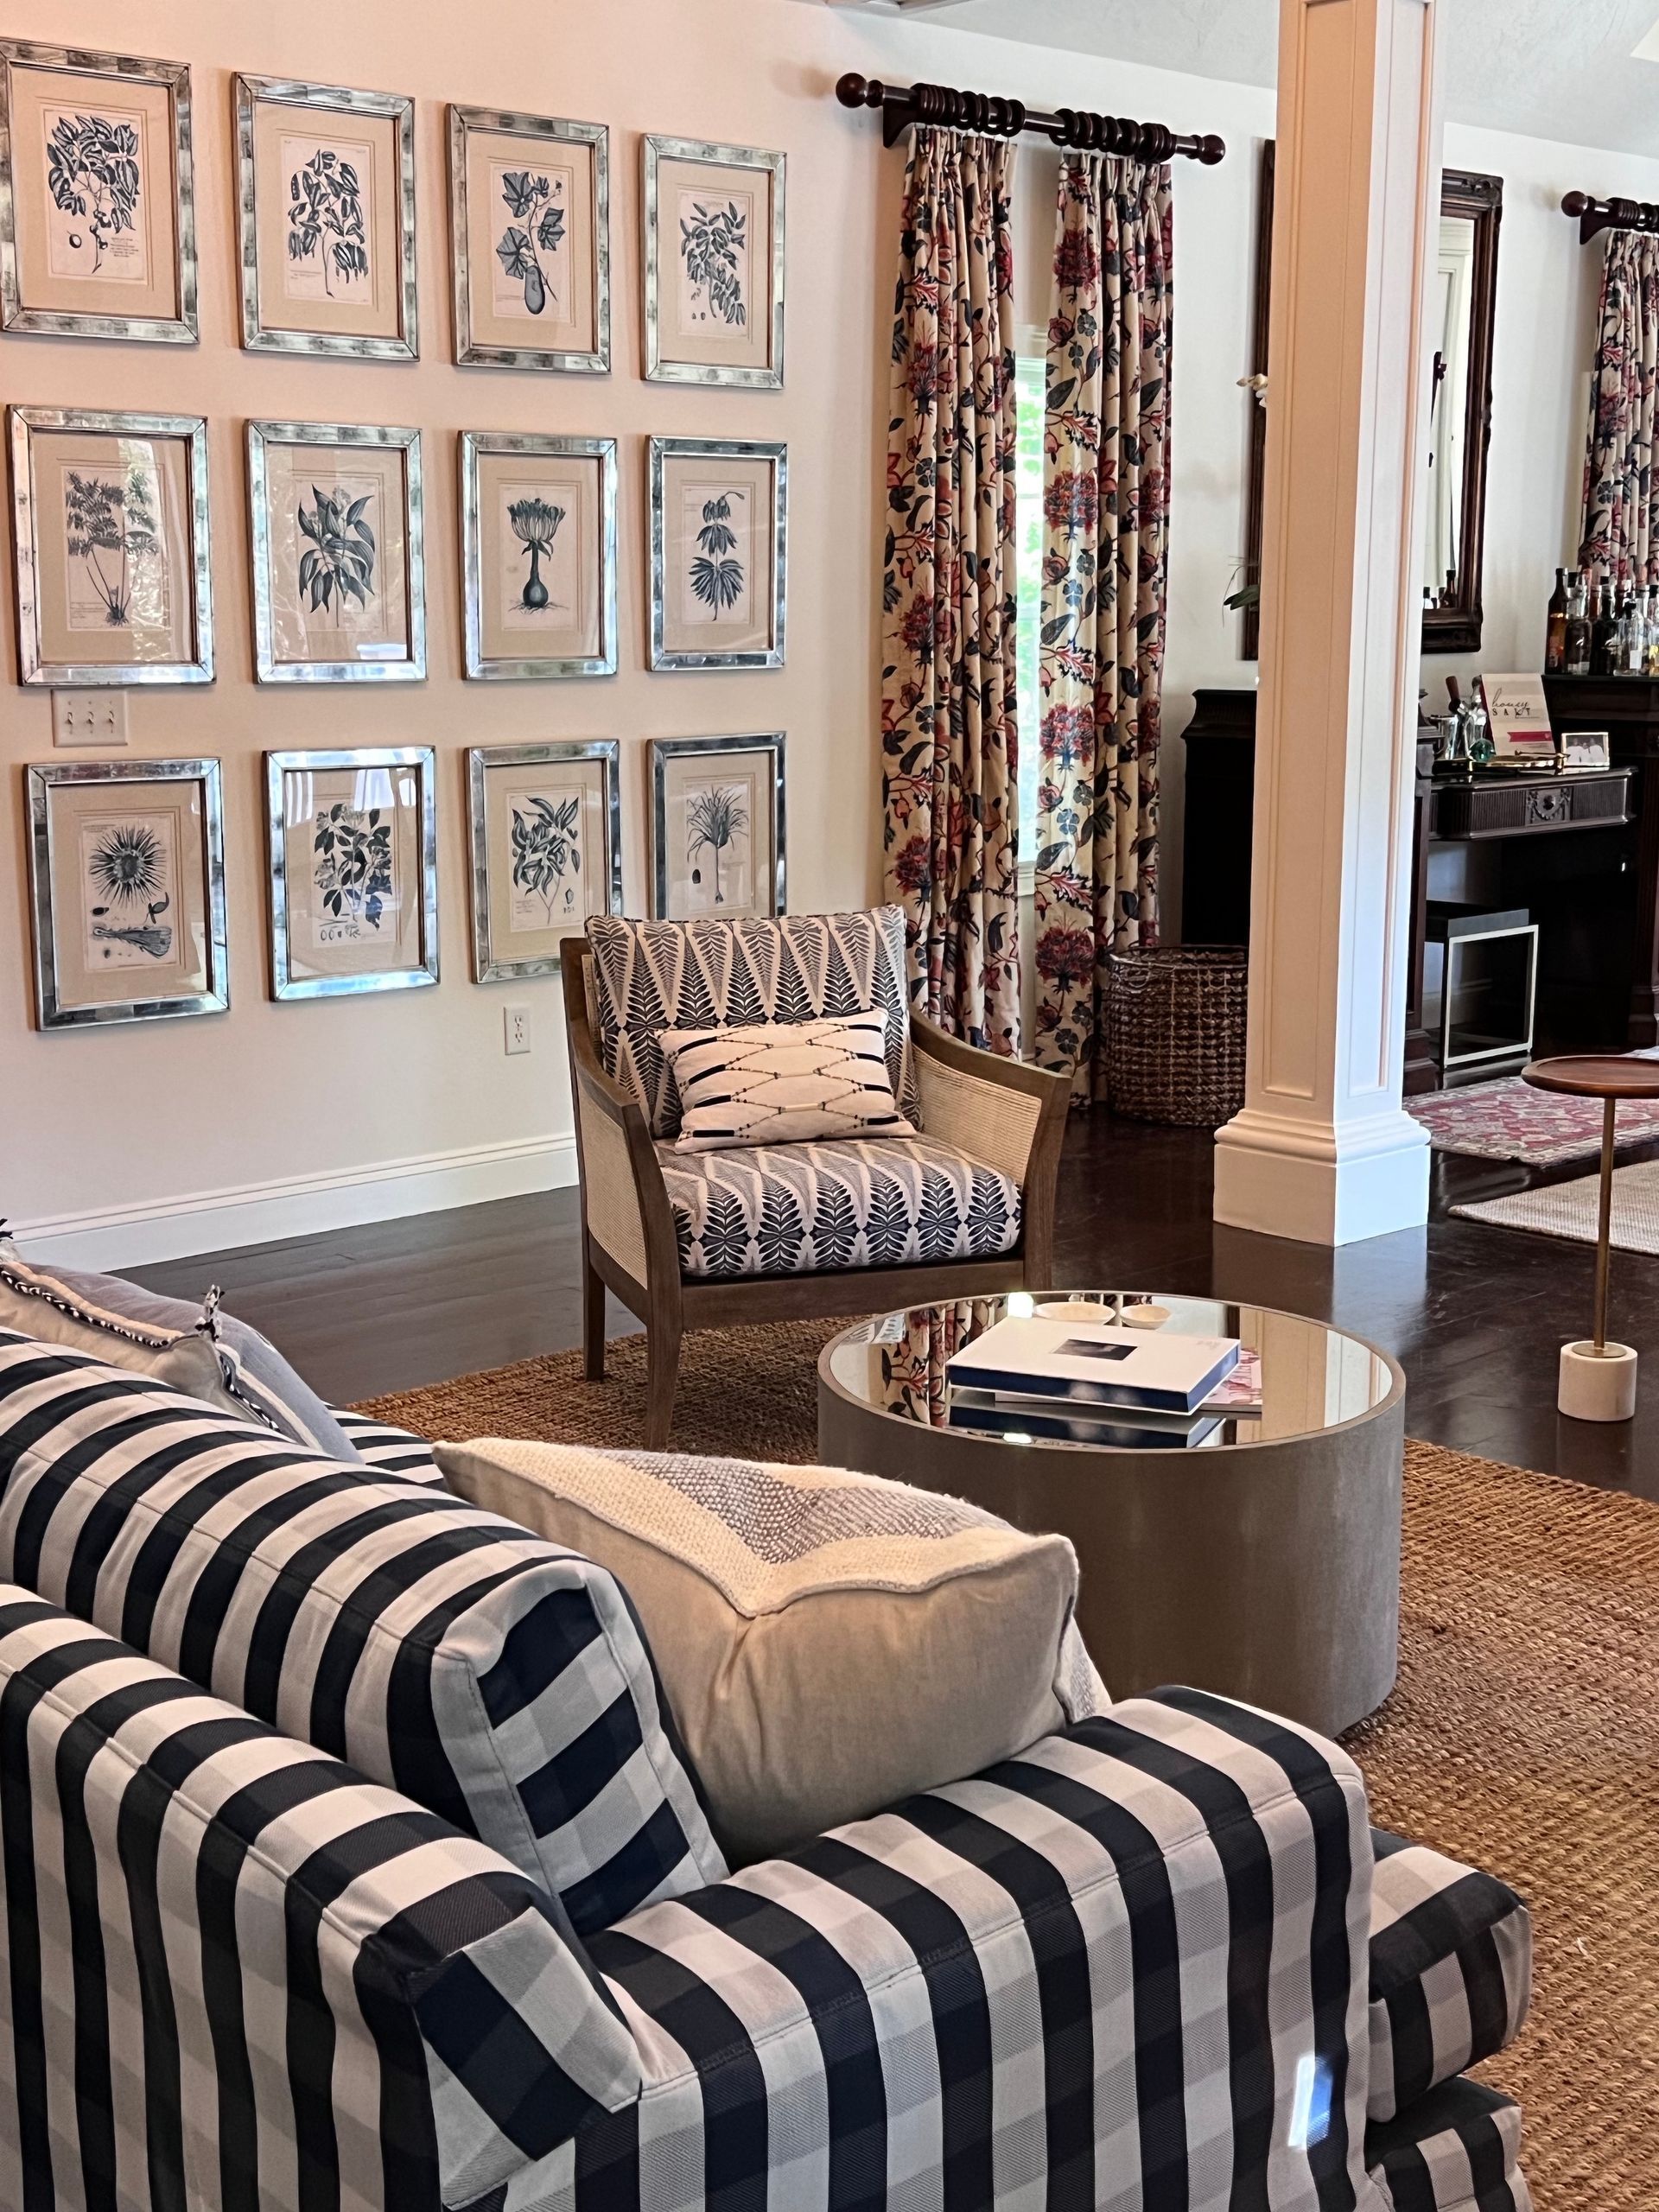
(89, 718)
(515, 1021)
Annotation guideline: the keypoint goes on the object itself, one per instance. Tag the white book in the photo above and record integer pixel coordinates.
(1095, 1364)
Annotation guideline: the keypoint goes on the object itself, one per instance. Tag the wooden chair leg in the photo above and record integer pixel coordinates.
(593, 1320)
(663, 1371)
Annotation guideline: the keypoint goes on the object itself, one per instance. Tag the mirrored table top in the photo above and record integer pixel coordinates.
(1295, 1377)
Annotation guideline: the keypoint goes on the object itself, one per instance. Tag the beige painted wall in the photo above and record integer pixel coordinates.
(182, 1136)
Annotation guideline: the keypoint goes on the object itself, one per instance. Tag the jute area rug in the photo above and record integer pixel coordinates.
(1568, 1209)
(1523, 1736)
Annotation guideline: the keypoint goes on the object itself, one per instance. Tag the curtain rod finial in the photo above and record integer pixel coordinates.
(1577, 203)
(854, 91)
(1212, 150)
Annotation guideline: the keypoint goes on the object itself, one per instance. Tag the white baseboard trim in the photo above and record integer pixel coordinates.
(300, 1206)
(1318, 1184)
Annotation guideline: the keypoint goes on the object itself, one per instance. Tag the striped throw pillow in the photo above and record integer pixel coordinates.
(501, 1681)
(784, 1082)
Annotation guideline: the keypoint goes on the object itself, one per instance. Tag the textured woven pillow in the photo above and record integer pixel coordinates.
(831, 1644)
(198, 1348)
(501, 1681)
(784, 1082)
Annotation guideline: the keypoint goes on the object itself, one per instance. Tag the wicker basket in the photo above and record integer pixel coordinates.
(1175, 1033)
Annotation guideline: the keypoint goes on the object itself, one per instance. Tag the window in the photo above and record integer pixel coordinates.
(1030, 383)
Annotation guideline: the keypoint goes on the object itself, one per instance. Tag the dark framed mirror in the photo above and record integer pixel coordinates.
(1462, 317)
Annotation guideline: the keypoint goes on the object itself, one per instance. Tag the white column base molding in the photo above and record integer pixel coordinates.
(299, 1206)
(1320, 1184)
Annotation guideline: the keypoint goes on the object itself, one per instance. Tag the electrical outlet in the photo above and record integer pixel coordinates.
(515, 1022)
(95, 718)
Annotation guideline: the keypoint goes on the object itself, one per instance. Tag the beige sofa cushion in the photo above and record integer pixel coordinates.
(829, 1644)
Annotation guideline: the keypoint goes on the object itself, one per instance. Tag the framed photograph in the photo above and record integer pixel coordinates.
(97, 225)
(111, 541)
(325, 179)
(714, 263)
(530, 212)
(717, 827)
(1585, 748)
(338, 576)
(126, 864)
(547, 851)
(354, 870)
(537, 555)
(719, 529)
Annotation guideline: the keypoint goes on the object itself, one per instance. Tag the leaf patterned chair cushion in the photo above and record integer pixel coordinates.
(650, 976)
(817, 1209)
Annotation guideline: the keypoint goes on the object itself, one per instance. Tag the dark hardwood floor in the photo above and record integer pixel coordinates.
(1475, 1315)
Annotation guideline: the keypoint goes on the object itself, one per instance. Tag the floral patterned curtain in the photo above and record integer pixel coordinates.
(1105, 575)
(1621, 500)
(948, 736)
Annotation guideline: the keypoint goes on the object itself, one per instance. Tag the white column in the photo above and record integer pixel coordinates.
(1323, 1151)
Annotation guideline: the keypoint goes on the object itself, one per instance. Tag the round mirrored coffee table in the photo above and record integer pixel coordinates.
(1261, 1561)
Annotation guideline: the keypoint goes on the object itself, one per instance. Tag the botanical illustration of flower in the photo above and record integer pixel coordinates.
(715, 817)
(544, 849)
(712, 244)
(128, 869)
(338, 563)
(92, 171)
(518, 250)
(326, 213)
(534, 524)
(111, 526)
(352, 862)
(717, 574)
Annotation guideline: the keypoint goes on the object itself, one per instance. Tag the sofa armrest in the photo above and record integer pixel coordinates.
(360, 1992)
(1451, 1971)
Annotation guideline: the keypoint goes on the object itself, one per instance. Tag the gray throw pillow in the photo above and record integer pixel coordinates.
(216, 1360)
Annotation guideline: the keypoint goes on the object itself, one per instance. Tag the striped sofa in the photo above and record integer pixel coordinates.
(349, 1861)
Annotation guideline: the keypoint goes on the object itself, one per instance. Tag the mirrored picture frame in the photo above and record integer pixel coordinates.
(712, 258)
(339, 586)
(546, 824)
(325, 192)
(529, 216)
(98, 223)
(353, 842)
(717, 827)
(538, 556)
(719, 552)
(112, 545)
(126, 868)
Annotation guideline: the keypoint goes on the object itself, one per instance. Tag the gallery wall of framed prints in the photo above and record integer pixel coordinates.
(599, 570)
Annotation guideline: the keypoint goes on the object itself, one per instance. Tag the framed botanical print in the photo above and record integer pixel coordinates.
(97, 227)
(719, 523)
(326, 184)
(530, 202)
(354, 870)
(338, 573)
(539, 554)
(547, 851)
(126, 863)
(111, 535)
(713, 264)
(717, 827)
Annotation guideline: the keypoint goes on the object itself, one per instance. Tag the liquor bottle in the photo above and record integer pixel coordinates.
(1555, 647)
(1579, 611)
(1632, 637)
(1652, 655)
(1606, 631)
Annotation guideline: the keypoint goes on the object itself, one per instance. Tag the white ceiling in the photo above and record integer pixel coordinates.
(1561, 69)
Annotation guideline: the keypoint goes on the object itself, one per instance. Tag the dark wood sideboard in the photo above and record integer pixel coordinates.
(1580, 852)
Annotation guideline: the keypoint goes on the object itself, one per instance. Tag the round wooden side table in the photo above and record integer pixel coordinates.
(1598, 1379)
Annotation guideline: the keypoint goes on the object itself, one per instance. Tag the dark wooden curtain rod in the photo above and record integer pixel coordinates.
(1003, 119)
(1594, 215)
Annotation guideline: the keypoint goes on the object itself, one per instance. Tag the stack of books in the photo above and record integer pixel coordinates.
(1092, 1383)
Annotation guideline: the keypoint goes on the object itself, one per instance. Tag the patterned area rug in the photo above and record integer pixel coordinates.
(1511, 1121)
(1569, 1209)
(1523, 1736)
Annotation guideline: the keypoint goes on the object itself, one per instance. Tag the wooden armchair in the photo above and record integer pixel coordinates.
(994, 1125)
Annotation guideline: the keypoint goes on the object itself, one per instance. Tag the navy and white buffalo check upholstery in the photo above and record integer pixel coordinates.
(501, 1683)
(707, 974)
(1451, 1971)
(799, 1209)
(1455, 2152)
